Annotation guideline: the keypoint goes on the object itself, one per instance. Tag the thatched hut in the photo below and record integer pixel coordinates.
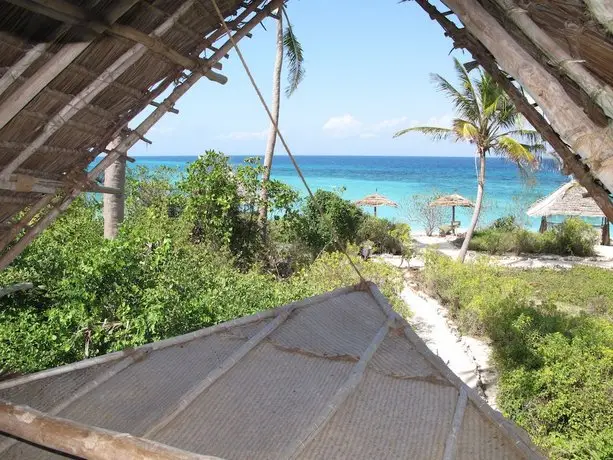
(569, 200)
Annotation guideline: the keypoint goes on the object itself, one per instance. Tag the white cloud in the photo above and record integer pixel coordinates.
(343, 126)
(245, 135)
(348, 126)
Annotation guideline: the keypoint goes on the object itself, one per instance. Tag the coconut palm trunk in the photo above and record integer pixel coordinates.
(477, 209)
(272, 133)
(114, 205)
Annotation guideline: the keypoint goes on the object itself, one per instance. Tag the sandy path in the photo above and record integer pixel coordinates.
(467, 357)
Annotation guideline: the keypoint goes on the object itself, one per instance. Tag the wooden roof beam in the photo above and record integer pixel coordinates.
(67, 12)
(83, 441)
(51, 69)
(26, 183)
(576, 71)
(593, 142)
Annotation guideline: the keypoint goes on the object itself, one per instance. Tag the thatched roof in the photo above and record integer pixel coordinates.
(335, 376)
(452, 200)
(376, 200)
(73, 74)
(569, 200)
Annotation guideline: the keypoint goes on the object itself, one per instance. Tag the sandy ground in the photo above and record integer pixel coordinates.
(469, 357)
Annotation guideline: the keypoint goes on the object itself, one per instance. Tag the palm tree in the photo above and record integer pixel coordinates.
(287, 44)
(487, 118)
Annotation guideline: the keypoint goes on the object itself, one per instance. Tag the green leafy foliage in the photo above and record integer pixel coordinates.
(188, 256)
(555, 364)
(574, 237)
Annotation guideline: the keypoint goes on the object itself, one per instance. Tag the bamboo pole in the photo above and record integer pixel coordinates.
(141, 130)
(534, 117)
(81, 440)
(593, 143)
(15, 288)
(451, 444)
(51, 69)
(602, 94)
(347, 388)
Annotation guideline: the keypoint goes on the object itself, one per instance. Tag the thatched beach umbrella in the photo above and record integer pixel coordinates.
(453, 201)
(569, 200)
(375, 200)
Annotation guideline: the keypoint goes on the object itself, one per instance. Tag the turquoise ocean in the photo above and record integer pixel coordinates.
(398, 178)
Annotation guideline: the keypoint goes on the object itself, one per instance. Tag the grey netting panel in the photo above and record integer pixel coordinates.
(481, 439)
(25, 451)
(138, 396)
(259, 406)
(45, 393)
(388, 417)
(343, 325)
(396, 357)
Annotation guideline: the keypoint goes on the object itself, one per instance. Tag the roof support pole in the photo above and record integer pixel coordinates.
(62, 59)
(534, 117)
(602, 94)
(80, 440)
(346, 389)
(593, 143)
(122, 64)
(126, 143)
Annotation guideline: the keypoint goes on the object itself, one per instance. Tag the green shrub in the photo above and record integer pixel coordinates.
(555, 366)
(573, 237)
(380, 233)
(338, 227)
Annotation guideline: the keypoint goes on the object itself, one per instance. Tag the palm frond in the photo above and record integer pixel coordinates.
(436, 133)
(530, 136)
(469, 88)
(295, 57)
(466, 130)
(520, 153)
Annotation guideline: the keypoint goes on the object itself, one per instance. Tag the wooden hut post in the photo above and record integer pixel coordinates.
(114, 205)
(543, 227)
(605, 238)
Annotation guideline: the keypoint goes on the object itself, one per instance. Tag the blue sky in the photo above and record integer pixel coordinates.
(368, 65)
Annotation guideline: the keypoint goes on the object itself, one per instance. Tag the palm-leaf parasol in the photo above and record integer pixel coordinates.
(375, 200)
(453, 201)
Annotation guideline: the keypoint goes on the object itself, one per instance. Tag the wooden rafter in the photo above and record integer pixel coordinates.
(51, 69)
(122, 64)
(463, 39)
(72, 14)
(28, 183)
(590, 140)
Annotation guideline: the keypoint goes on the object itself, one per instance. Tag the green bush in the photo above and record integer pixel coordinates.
(338, 227)
(381, 233)
(555, 366)
(573, 237)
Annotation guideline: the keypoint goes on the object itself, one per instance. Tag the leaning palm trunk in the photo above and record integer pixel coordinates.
(477, 211)
(113, 205)
(272, 135)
